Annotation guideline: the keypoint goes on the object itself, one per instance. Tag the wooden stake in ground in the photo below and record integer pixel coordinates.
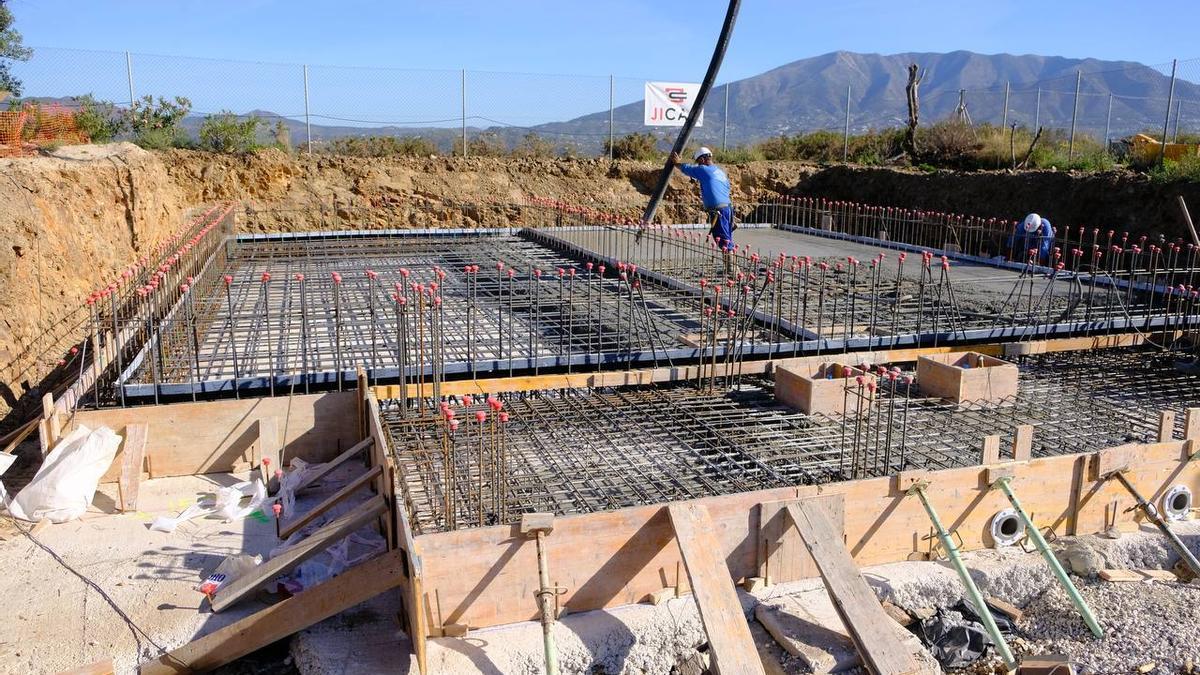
(914, 111)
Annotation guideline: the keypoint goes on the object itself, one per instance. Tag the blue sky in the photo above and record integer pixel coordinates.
(632, 40)
(620, 37)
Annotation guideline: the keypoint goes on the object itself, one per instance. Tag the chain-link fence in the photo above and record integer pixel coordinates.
(579, 113)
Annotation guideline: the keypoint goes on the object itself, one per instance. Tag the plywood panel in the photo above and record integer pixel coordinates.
(218, 436)
(782, 555)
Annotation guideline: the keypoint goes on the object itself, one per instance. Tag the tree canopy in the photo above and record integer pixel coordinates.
(11, 49)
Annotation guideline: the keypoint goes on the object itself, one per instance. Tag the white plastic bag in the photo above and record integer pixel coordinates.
(300, 472)
(63, 488)
(226, 504)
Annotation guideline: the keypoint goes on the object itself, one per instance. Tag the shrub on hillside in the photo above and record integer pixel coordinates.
(382, 146)
(227, 132)
(949, 144)
(99, 120)
(485, 144)
(533, 145)
(633, 146)
(157, 125)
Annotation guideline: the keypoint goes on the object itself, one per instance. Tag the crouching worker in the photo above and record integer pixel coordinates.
(1035, 233)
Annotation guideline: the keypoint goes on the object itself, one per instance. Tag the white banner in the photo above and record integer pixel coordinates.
(668, 103)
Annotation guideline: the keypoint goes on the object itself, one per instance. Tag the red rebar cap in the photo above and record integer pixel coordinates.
(480, 417)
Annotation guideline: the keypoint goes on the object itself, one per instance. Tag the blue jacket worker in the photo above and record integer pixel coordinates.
(1035, 232)
(714, 191)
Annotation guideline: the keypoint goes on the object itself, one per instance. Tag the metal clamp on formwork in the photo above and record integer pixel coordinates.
(1152, 513)
(977, 600)
(1034, 534)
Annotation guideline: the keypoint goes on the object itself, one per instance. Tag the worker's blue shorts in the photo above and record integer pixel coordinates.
(721, 227)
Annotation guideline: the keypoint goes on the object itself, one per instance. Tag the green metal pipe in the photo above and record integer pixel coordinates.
(1055, 566)
(976, 597)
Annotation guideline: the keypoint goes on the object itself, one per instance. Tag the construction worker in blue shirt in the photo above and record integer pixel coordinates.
(1035, 233)
(714, 192)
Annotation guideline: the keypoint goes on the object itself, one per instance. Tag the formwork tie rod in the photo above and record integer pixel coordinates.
(981, 608)
(1055, 566)
(1152, 513)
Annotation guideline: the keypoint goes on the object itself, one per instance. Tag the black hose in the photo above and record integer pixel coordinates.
(686, 132)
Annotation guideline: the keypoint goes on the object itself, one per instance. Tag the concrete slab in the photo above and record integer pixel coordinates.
(57, 620)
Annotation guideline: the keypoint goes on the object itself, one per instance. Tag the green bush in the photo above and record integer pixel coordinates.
(156, 125)
(949, 144)
(533, 145)
(741, 154)
(484, 144)
(100, 120)
(227, 132)
(382, 146)
(872, 147)
(633, 146)
(282, 136)
(1184, 169)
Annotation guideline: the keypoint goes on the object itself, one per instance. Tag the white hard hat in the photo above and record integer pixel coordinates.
(1033, 222)
(702, 152)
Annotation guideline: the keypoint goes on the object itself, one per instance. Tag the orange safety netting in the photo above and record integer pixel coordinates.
(23, 131)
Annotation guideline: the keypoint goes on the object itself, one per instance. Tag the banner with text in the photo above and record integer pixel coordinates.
(668, 103)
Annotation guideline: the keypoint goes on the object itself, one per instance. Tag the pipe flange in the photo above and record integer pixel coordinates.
(1007, 528)
(1177, 503)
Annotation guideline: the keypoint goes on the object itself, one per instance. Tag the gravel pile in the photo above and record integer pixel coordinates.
(1144, 623)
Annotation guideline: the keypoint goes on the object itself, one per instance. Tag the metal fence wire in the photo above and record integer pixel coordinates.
(459, 109)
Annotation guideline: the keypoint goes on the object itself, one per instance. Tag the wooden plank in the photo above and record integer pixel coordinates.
(335, 463)
(347, 490)
(133, 456)
(729, 639)
(356, 585)
(1118, 575)
(1022, 448)
(868, 625)
(288, 560)
(1166, 425)
(991, 450)
(54, 423)
(1191, 424)
(782, 554)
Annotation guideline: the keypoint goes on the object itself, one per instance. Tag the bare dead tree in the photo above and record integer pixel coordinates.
(1029, 152)
(914, 110)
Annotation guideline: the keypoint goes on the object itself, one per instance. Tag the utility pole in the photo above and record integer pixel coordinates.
(610, 117)
(307, 117)
(1162, 149)
(725, 126)
(129, 76)
(1004, 122)
(846, 135)
(464, 111)
(1037, 112)
(1074, 115)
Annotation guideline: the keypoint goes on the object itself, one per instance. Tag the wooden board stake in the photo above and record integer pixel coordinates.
(355, 585)
(132, 458)
(869, 626)
(729, 639)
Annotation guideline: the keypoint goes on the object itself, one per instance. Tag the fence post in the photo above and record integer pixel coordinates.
(1037, 112)
(725, 124)
(1074, 115)
(1162, 149)
(464, 111)
(307, 116)
(1004, 122)
(846, 133)
(1178, 107)
(610, 117)
(1108, 122)
(129, 76)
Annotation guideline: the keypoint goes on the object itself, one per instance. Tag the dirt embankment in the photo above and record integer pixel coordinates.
(297, 193)
(1117, 200)
(67, 223)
